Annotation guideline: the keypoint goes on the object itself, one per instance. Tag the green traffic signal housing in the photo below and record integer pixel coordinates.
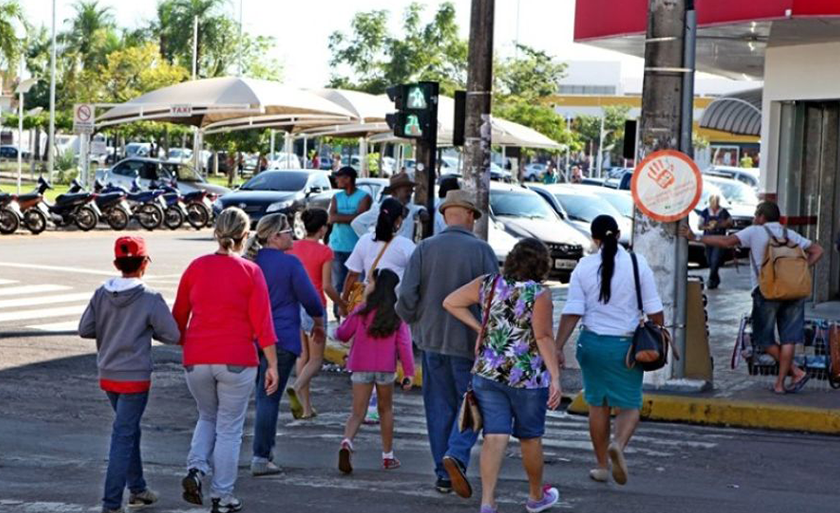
(416, 109)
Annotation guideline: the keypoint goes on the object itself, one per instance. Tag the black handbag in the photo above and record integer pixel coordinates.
(650, 341)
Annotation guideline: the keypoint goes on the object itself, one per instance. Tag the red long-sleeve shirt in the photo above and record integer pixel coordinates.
(221, 308)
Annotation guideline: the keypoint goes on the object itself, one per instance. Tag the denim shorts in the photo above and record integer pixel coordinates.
(380, 378)
(306, 322)
(511, 411)
(787, 316)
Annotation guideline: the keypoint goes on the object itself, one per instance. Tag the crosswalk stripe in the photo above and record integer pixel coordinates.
(56, 326)
(31, 289)
(7, 282)
(44, 300)
(44, 312)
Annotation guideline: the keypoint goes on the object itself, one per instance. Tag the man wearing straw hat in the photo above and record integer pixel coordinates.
(401, 187)
(438, 266)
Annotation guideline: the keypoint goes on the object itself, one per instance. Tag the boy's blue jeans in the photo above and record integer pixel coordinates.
(125, 468)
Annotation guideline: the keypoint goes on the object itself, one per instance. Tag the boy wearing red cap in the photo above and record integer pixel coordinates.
(123, 316)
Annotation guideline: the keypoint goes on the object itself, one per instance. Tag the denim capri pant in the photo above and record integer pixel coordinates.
(606, 379)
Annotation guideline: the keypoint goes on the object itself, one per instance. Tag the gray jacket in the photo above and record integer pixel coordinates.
(123, 322)
(439, 266)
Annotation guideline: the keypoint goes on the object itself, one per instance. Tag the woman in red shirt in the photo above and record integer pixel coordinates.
(221, 308)
(317, 259)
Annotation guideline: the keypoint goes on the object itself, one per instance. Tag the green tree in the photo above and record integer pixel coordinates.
(92, 35)
(377, 59)
(541, 118)
(533, 74)
(588, 128)
(11, 14)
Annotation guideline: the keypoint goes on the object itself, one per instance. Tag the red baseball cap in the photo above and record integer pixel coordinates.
(130, 247)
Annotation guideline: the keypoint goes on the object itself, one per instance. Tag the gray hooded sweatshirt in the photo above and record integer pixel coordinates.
(123, 316)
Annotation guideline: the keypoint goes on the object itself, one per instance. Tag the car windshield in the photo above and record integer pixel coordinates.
(520, 204)
(710, 189)
(736, 193)
(277, 181)
(585, 207)
(621, 202)
(181, 172)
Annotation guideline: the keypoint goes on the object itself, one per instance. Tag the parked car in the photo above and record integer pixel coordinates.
(11, 152)
(149, 170)
(499, 174)
(621, 180)
(534, 171)
(523, 213)
(737, 197)
(749, 176)
(138, 149)
(286, 191)
(284, 161)
(180, 155)
(579, 206)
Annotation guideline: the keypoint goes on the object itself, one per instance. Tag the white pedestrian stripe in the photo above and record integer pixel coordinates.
(7, 282)
(31, 289)
(44, 300)
(56, 326)
(26, 315)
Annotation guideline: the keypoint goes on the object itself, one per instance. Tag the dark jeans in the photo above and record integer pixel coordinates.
(339, 274)
(714, 257)
(445, 380)
(125, 468)
(268, 406)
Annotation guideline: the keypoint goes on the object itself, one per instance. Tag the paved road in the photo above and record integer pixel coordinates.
(54, 423)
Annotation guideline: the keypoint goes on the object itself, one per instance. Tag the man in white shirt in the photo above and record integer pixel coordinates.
(787, 316)
(400, 187)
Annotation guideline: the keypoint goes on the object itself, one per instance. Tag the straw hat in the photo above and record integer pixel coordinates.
(459, 198)
(397, 181)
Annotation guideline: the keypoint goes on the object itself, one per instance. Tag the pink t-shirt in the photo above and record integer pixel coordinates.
(368, 354)
(313, 255)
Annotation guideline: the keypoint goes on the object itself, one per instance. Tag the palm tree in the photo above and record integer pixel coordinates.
(11, 14)
(174, 28)
(91, 28)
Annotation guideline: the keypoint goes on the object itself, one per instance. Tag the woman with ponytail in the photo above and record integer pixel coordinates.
(602, 294)
(381, 249)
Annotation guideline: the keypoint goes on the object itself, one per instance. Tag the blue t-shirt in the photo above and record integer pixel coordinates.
(289, 288)
(343, 238)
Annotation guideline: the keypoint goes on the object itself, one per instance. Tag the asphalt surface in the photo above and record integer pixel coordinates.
(55, 423)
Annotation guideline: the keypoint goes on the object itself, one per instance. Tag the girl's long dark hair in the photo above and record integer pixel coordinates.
(605, 229)
(382, 301)
(389, 211)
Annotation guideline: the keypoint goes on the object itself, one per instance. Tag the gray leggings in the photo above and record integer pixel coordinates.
(221, 394)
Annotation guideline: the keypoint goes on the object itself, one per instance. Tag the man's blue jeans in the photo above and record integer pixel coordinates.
(339, 274)
(445, 380)
(268, 406)
(125, 468)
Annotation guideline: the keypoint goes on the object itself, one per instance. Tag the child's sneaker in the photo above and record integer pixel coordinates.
(142, 499)
(488, 509)
(345, 454)
(549, 499)
(390, 463)
(191, 485)
(229, 505)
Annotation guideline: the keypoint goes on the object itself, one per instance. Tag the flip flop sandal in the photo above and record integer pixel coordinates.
(294, 404)
(783, 392)
(799, 385)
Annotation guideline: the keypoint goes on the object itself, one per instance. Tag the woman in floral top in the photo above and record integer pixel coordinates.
(516, 373)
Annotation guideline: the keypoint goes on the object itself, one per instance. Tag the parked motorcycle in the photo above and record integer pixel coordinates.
(199, 206)
(10, 215)
(176, 211)
(115, 209)
(146, 206)
(71, 208)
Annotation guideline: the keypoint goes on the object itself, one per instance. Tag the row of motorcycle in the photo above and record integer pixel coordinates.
(162, 204)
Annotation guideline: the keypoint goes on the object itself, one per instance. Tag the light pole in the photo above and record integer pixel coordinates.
(23, 87)
(51, 141)
(239, 45)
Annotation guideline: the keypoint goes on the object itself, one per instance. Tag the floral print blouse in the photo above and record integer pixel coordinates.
(509, 353)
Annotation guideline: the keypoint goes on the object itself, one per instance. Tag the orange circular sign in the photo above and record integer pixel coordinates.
(666, 186)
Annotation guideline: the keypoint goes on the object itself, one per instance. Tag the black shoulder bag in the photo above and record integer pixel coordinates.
(650, 341)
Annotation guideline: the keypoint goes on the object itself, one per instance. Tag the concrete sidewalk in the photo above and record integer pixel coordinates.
(737, 399)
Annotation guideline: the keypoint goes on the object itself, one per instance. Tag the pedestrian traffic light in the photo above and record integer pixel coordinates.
(416, 110)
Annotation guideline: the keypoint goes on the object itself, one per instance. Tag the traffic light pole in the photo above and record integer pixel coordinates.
(424, 194)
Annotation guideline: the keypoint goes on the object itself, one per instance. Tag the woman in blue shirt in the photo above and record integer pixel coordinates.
(344, 208)
(289, 288)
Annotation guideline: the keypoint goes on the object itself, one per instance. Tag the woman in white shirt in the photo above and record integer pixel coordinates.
(603, 294)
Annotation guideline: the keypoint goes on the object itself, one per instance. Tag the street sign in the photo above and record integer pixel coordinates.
(666, 186)
(84, 118)
(181, 110)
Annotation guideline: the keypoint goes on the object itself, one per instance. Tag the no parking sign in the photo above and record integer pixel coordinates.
(666, 186)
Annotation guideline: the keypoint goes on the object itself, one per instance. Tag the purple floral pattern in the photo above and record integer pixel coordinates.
(509, 354)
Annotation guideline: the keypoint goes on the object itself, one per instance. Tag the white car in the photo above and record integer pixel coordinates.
(285, 161)
(534, 171)
(179, 155)
(749, 176)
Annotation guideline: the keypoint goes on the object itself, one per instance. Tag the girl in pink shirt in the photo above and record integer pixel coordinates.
(378, 335)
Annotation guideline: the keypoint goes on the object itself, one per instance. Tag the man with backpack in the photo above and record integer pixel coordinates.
(780, 262)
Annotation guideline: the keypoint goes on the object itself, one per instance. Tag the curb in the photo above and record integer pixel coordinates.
(733, 413)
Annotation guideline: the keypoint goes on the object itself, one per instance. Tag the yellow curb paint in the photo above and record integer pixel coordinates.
(337, 354)
(747, 414)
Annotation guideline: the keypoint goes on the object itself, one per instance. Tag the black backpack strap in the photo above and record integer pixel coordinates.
(638, 284)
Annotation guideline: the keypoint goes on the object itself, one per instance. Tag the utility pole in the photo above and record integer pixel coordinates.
(661, 129)
(51, 140)
(477, 141)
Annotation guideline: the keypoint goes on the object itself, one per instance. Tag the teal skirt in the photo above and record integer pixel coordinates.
(606, 379)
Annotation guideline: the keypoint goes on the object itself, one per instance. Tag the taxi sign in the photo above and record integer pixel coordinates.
(666, 186)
